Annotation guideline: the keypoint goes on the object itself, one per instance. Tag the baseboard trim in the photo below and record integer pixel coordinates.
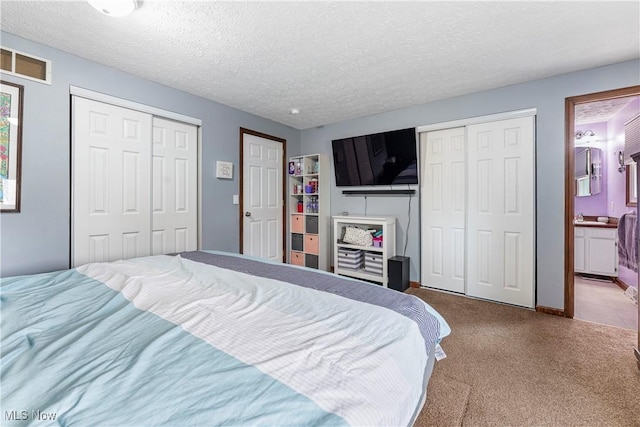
(413, 284)
(620, 283)
(549, 310)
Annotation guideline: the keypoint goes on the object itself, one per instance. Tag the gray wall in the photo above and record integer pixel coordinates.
(37, 239)
(548, 97)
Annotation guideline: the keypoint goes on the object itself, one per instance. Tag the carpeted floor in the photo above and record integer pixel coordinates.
(508, 366)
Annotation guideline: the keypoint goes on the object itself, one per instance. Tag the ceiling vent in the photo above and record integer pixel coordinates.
(23, 65)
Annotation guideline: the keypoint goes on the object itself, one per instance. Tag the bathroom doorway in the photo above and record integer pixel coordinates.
(596, 200)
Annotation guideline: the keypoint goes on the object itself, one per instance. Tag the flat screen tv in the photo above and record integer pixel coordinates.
(385, 158)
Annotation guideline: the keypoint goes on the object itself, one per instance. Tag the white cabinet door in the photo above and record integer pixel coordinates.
(111, 182)
(603, 251)
(443, 186)
(500, 224)
(579, 250)
(175, 187)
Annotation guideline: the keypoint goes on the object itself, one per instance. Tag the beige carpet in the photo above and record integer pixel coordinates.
(508, 366)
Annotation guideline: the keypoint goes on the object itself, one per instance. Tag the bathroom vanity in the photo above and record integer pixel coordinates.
(595, 248)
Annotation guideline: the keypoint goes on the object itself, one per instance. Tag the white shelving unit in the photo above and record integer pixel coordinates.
(377, 255)
(309, 196)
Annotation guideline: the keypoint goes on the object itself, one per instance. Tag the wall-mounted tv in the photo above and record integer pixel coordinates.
(384, 158)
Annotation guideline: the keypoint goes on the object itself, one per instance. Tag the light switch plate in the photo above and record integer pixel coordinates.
(236, 199)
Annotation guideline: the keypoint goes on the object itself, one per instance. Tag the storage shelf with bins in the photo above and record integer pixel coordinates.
(364, 262)
(309, 211)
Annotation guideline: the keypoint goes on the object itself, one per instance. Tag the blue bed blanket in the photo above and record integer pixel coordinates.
(165, 340)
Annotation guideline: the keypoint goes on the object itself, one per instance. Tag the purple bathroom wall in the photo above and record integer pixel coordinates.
(612, 200)
(628, 276)
(617, 180)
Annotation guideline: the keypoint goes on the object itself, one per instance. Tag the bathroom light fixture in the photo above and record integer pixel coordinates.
(115, 8)
(621, 165)
(586, 133)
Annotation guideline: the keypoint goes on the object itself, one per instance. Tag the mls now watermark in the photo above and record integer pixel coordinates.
(33, 415)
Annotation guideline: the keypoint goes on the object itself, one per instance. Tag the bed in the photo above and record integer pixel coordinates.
(211, 338)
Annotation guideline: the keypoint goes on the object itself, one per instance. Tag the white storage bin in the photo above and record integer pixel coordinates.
(350, 263)
(377, 272)
(350, 253)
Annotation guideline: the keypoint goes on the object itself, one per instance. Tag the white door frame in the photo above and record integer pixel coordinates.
(243, 132)
(120, 102)
(478, 119)
(159, 112)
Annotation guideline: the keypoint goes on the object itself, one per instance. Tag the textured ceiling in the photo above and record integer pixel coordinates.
(336, 60)
(600, 111)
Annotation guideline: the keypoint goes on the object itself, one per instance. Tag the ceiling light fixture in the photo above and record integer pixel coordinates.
(115, 8)
(294, 111)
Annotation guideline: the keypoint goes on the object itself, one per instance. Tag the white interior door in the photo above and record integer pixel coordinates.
(262, 198)
(501, 211)
(174, 188)
(111, 182)
(443, 185)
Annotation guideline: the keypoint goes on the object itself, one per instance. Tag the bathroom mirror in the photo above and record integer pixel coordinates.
(632, 184)
(588, 171)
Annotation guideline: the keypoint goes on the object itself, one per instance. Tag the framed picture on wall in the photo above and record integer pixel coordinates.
(11, 99)
(224, 170)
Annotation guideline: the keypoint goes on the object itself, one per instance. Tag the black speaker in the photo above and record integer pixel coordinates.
(399, 273)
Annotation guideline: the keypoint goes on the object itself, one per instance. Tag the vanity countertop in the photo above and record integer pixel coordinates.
(593, 222)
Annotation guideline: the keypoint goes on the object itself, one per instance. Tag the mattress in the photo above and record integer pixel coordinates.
(211, 339)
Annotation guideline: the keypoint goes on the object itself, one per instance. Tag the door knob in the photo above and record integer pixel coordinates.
(247, 214)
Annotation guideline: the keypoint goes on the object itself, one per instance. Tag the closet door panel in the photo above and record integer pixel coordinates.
(175, 186)
(443, 188)
(111, 180)
(500, 265)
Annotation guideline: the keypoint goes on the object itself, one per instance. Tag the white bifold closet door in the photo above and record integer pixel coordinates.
(134, 184)
(501, 211)
(444, 209)
(478, 210)
(174, 196)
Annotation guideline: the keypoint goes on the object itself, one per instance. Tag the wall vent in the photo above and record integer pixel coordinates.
(24, 65)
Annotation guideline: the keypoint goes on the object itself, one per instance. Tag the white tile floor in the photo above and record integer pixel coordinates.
(603, 302)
